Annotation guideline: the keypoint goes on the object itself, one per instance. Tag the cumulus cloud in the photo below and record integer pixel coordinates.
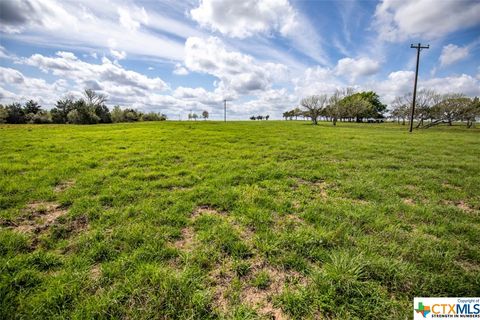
(118, 55)
(23, 87)
(272, 102)
(354, 68)
(242, 19)
(400, 82)
(132, 19)
(238, 73)
(107, 74)
(180, 70)
(452, 53)
(198, 95)
(90, 24)
(400, 20)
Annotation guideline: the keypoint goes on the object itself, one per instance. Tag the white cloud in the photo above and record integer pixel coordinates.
(271, 102)
(197, 95)
(401, 82)
(238, 73)
(118, 55)
(401, 20)
(132, 19)
(9, 75)
(398, 83)
(23, 87)
(463, 83)
(452, 53)
(354, 68)
(90, 24)
(106, 75)
(245, 18)
(180, 70)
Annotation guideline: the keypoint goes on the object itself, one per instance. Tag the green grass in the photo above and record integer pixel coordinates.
(240, 220)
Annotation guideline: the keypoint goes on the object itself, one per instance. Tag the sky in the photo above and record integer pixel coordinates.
(177, 57)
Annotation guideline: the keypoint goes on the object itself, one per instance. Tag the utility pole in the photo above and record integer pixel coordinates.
(419, 47)
(225, 109)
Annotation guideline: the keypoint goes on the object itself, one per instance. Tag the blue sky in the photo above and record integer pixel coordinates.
(263, 55)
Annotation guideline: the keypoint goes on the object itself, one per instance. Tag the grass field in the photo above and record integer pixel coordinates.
(242, 220)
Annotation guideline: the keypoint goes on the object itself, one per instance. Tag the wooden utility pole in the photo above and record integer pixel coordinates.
(225, 109)
(419, 47)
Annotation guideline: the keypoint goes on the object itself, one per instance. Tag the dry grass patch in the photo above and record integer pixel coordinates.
(257, 289)
(39, 216)
(319, 186)
(461, 205)
(95, 272)
(186, 242)
(64, 185)
(206, 210)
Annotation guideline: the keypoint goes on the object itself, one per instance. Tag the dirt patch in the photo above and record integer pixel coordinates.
(319, 186)
(186, 242)
(461, 205)
(468, 265)
(260, 299)
(64, 185)
(450, 186)
(206, 210)
(464, 206)
(95, 272)
(409, 201)
(39, 216)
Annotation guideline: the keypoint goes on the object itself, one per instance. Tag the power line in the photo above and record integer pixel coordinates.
(419, 47)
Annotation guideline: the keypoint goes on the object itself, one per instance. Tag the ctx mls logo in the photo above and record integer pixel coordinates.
(424, 310)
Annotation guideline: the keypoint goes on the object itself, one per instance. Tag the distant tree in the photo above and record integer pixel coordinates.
(83, 113)
(60, 111)
(41, 116)
(314, 105)
(205, 114)
(471, 112)
(285, 115)
(400, 109)
(103, 113)
(117, 114)
(190, 116)
(297, 112)
(259, 117)
(451, 108)
(96, 101)
(267, 117)
(32, 107)
(16, 113)
(253, 118)
(131, 115)
(336, 108)
(93, 98)
(195, 116)
(3, 114)
(362, 105)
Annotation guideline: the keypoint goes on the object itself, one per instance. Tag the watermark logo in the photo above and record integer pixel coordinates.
(451, 308)
(423, 310)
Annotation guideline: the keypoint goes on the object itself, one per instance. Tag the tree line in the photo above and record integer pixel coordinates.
(431, 108)
(90, 109)
(260, 117)
(343, 105)
(194, 116)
